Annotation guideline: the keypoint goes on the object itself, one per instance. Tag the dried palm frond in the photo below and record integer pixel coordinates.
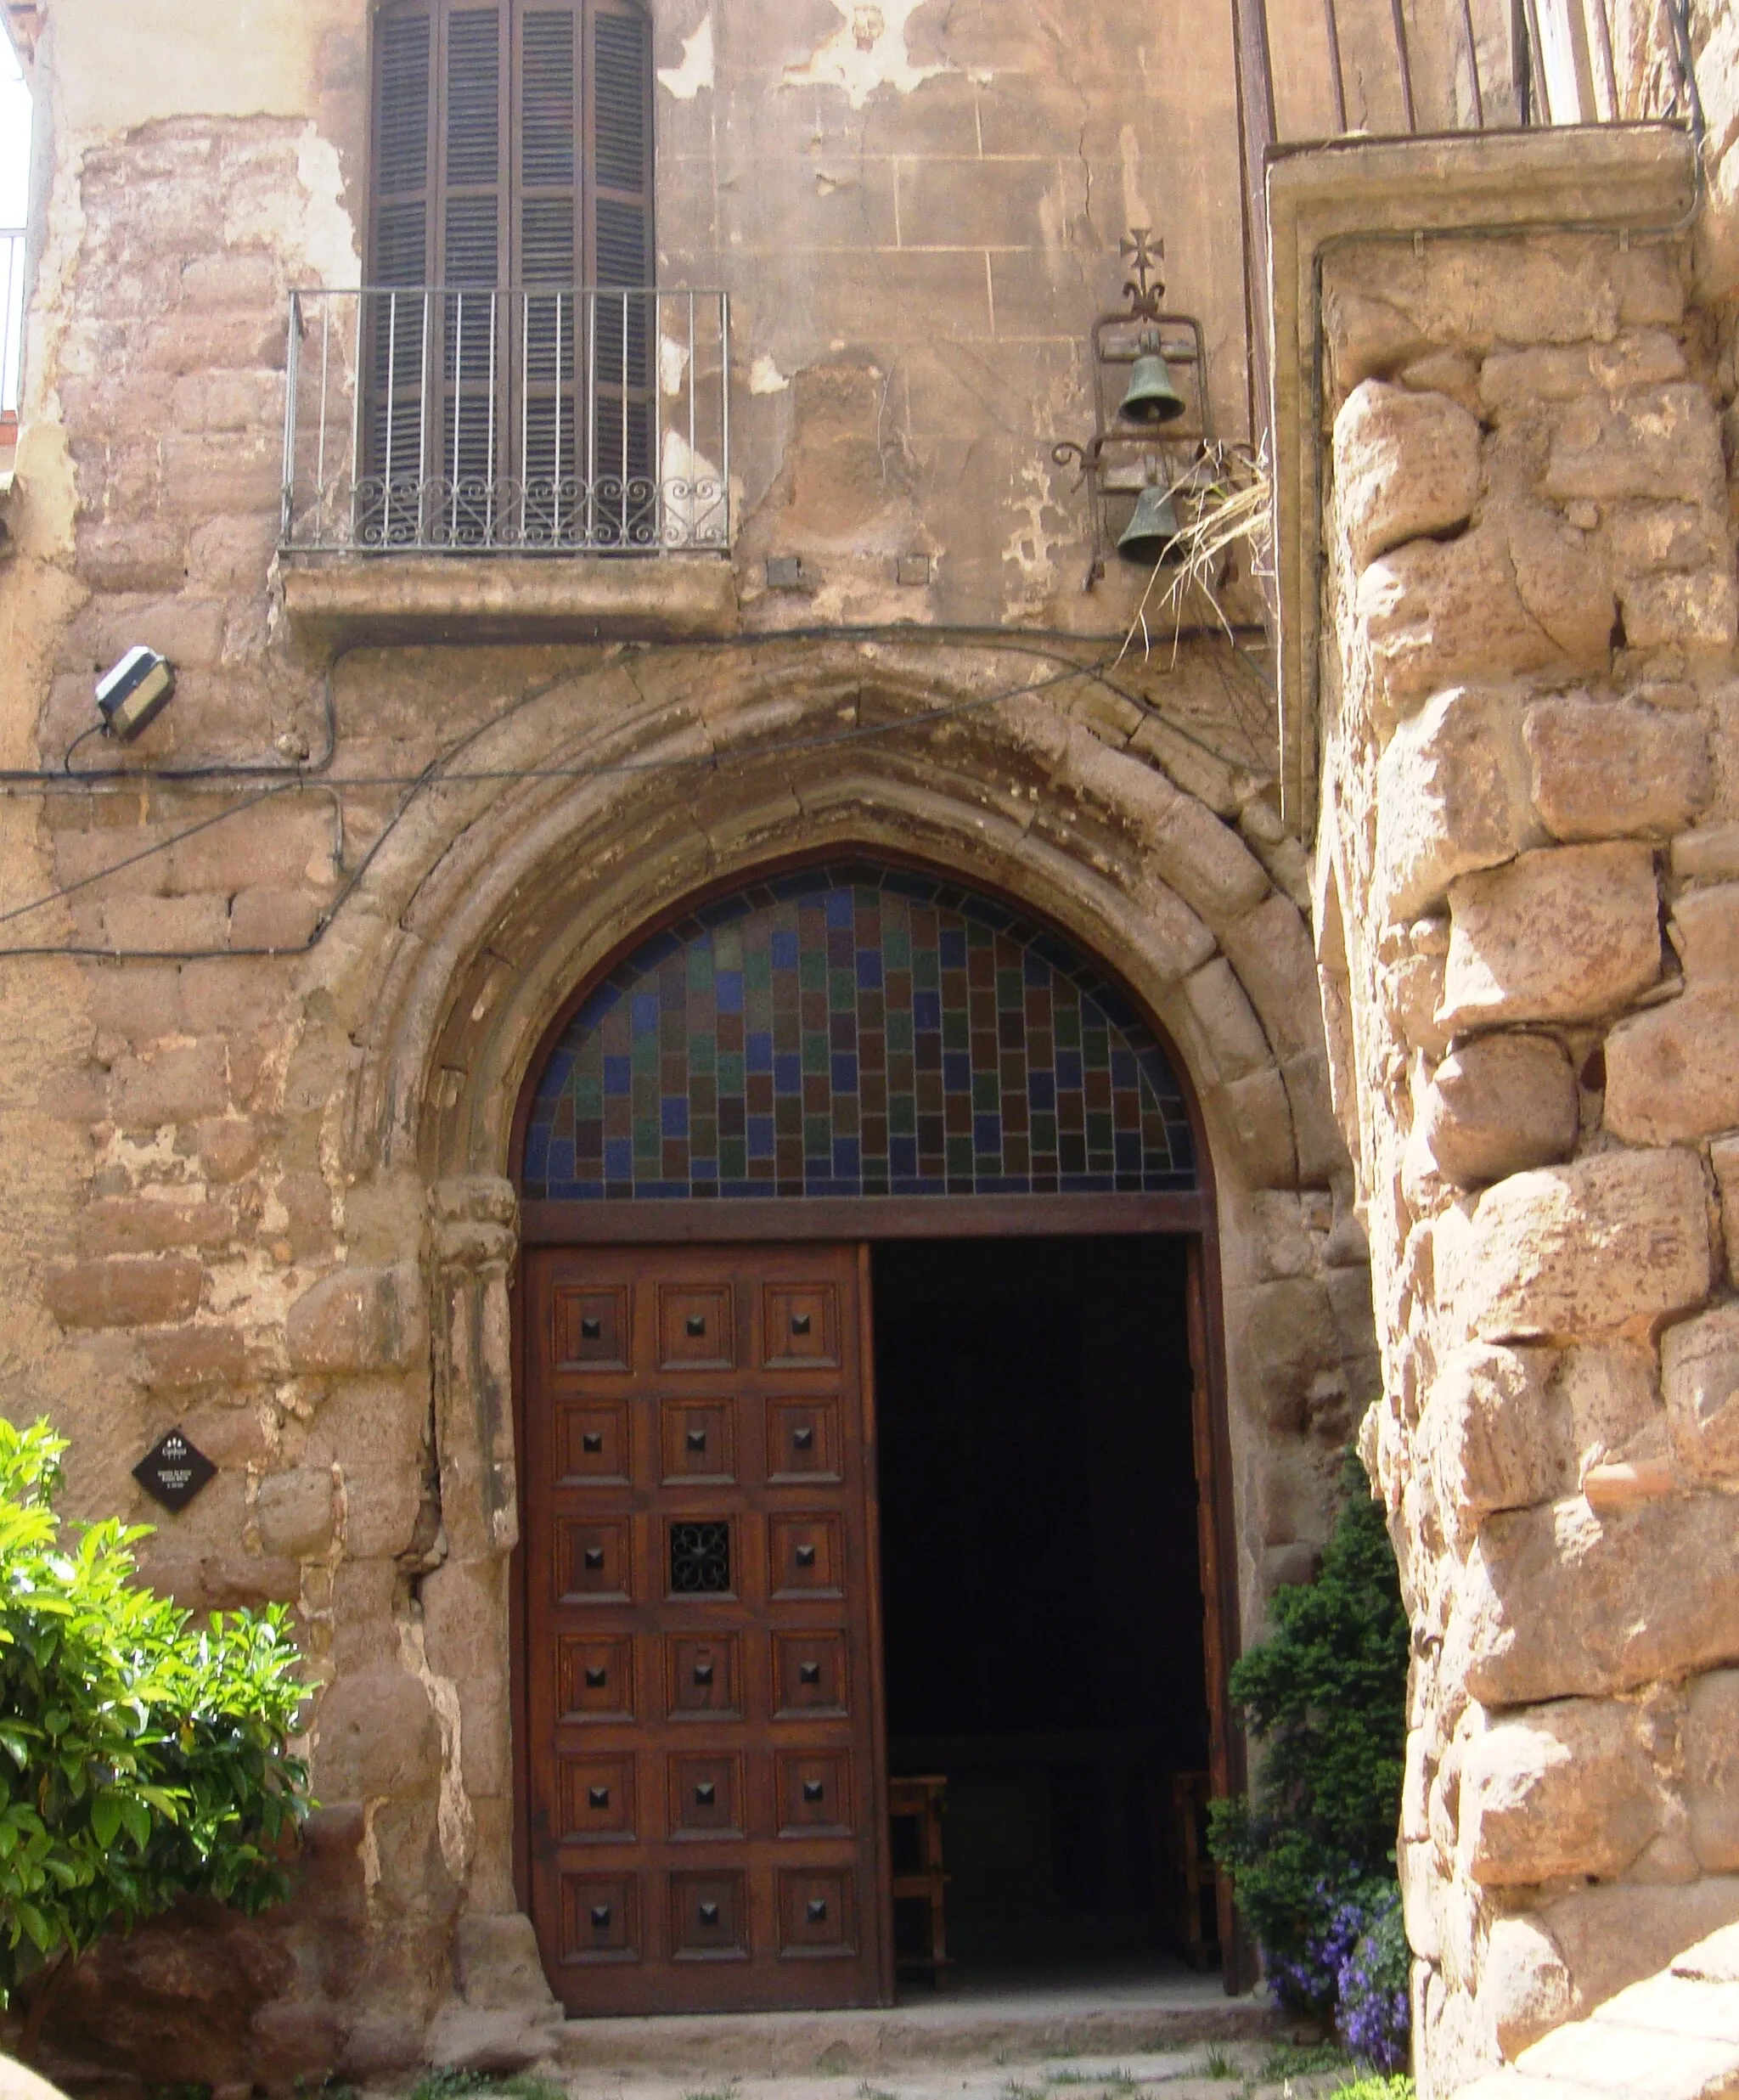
(1225, 502)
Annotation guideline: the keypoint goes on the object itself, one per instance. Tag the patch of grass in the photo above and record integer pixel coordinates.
(1106, 2082)
(1218, 2064)
(1374, 2086)
(713, 2092)
(1292, 2059)
(442, 2081)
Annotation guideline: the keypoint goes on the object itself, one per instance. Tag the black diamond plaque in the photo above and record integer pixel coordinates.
(174, 1470)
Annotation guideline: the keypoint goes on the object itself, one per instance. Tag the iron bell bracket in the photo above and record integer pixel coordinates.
(1112, 460)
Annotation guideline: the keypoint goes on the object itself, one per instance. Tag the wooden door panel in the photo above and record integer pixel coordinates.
(701, 1709)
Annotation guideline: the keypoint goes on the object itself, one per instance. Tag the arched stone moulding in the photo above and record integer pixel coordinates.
(491, 903)
(499, 907)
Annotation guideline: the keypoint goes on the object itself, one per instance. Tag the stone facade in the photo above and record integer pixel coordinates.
(1524, 865)
(300, 943)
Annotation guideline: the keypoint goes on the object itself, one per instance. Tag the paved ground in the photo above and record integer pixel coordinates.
(1211, 2071)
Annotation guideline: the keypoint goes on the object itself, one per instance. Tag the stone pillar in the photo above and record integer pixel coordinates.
(1527, 920)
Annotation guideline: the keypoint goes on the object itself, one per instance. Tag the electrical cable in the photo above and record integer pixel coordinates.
(439, 773)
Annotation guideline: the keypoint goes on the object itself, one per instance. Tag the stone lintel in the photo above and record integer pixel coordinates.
(1580, 179)
(337, 601)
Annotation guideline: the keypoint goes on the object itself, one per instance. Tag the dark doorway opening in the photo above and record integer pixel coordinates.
(1042, 1601)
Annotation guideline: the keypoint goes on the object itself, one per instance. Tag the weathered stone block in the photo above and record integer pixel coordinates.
(375, 1734)
(124, 1293)
(1498, 1104)
(1582, 1249)
(1405, 465)
(1446, 613)
(1698, 611)
(1724, 1157)
(175, 1085)
(1700, 1379)
(1556, 1791)
(1233, 1036)
(1563, 580)
(1609, 1388)
(1664, 444)
(1497, 1436)
(184, 1358)
(358, 1319)
(1566, 934)
(293, 1512)
(1673, 1074)
(1524, 1983)
(1711, 1748)
(1613, 1936)
(1555, 1603)
(1452, 795)
(1704, 929)
(1602, 769)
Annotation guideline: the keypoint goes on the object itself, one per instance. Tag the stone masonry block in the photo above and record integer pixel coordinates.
(1568, 933)
(1556, 1791)
(1699, 611)
(1711, 1749)
(1269, 948)
(141, 1292)
(1704, 929)
(1436, 614)
(1496, 1434)
(1563, 580)
(184, 1358)
(1234, 1036)
(1615, 1935)
(1603, 770)
(142, 1225)
(464, 1616)
(1524, 1983)
(1498, 1105)
(1559, 1602)
(1665, 444)
(375, 1734)
(1700, 1379)
(1405, 465)
(1581, 1249)
(1452, 795)
(179, 1083)
(1673, 1073)
(358, 1319)
(293, 1512)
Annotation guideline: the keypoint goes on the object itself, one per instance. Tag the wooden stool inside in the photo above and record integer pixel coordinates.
(914, 1806)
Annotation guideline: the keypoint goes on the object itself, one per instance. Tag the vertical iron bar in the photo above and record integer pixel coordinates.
(525, 415)
(694, 388)
(391, 409)
(1540, 99)
(459, 410)
(325, 396)
(1603, 41)
(291, 362)
(725, 403)
(555, 440)
(357, 390)
(591, 384)
(1405, 60)
(423, 475)
(1330, 21)
(624, 420)
(1474, 64)
(494, 474)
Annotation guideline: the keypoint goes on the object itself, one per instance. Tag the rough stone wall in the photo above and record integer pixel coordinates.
(1528, 886)
(261, 1084)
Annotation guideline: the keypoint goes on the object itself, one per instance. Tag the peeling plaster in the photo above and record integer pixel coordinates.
(866, 51)
(452, 1815)
(766, 378)
(686, 81)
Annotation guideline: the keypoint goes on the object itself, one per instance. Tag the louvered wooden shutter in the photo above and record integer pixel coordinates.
(404, 144)
(621, 112)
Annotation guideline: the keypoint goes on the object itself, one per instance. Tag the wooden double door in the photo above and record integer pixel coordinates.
(703, 1739)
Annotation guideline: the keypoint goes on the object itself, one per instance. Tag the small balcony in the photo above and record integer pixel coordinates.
(442, 422)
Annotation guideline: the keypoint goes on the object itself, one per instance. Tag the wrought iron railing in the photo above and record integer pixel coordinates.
(451, 419)
(12, 275)
(1389, 69)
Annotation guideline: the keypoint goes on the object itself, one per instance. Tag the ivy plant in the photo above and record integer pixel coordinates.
(143, 1758)
(1312, 1849)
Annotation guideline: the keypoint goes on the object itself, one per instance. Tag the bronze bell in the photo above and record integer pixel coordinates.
(1152, 397)
(1151, 535)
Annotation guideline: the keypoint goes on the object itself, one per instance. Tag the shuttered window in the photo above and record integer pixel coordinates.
(512, 153)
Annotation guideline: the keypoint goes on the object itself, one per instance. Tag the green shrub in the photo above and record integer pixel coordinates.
(142, 1758)
(1311, 1851)
(1399, 2087)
